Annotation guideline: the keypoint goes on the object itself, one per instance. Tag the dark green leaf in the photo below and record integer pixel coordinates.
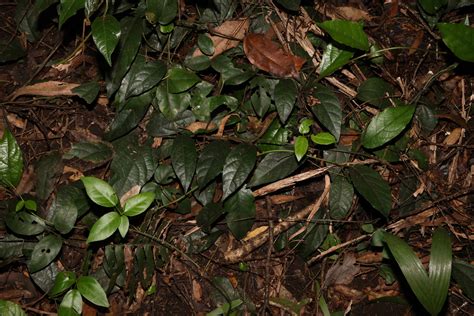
(347, 33)
(292, 5)
(374, 91)
(91, 6)
(88, 91)
(333, 59)
(301, 147)
(145, 78)
(238, 165)
(164, 10)
(48, 169)
(138, 204)
(285, 97)
(459, 38)
(70, 202)
(180, 80)
(273, 167)
(205, 44)
(92, 291)
(328, 112)
(164, 174)
(100, 192)
(64, 280)
(313, 237)
(44, 252)
(24, 223)
(340, 196)
(463, 274)
(240, 208)
(275, 137)
(208, 215)
(71, 305)
(106, 33)
(11, 160)
(171, 104)
(44, 278)
(432, 6)
(69, 8)
(323, 138)
(198, 63)
(183, 159)
(8, 308)
(10, 50)
(91, 151)
(104, 227)
(387, 125)
(160, 126)
(211, 161)
(372, 187)
(426, 117)
(206, 194)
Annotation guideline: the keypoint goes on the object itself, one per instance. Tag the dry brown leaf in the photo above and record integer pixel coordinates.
(201, 126)
(453, 137)
(132, 192)
(267, 55)
(342, 273)
(227, 35)
(16, 121)
(352, 14)
(46, 89)
(75, 173)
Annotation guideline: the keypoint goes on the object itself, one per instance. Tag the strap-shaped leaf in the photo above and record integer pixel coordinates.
(238, 165)
(92, 291)
(183, 159)
(44, 252)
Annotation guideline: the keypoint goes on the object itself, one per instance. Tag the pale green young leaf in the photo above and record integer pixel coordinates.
(301, 147)
(100, 192)
(138, 204)
(92, 291)
(71, 305)
(104, 227)
(11, 160)
(124, 225)
(323, 138)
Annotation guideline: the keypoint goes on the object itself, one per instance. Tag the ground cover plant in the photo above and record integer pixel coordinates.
(236, 157)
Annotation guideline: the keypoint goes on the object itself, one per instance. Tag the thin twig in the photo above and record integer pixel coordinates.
(337, 247)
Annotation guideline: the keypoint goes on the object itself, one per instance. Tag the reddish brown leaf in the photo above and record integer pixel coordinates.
(266, 55)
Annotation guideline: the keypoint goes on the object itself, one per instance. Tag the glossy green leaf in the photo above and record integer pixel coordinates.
(91, 6)
(8, 308)
(146, 77)
(372, 187)
(347, 33)
(44, 252)
(124, 225)
(387, 125)
(333, 59)
(301, 147)
(274, 166)
(211, 161)
(230, 75)
(426, 117)
(208, 215)
(285, 97)
(198, 63)
(90, 151)
(64, 280)
(240, 208)
(69, 8)
(88, 91)
(183, 159)
(375, 91)
(237, 167)
(31, 205)
(71, 305)
(292, 5)
(171, 104)
(48, 169)
(275, 137)
(106, 34)
(205, 44)
(180, 80)
(432, 6)
(305, 126)
(341, 195)
(70, 203)
(160, 125)
(11, 160)
(164, 10)
(92, 291)
(323, 138)
(328, 112)
(463, 274)
(459, 38)
(105, 226)
(138, 204)
(100, 192)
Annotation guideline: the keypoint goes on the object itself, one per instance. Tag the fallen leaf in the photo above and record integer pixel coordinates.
(75, 173)
(453, 136)
(267, 55)
(14, 120)
(351, 13)
(46, 89)
(342, 273)
(201, 126)
(226, 36)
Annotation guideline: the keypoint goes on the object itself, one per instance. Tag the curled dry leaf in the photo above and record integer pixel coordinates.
(201, 126)
(226, 36)
(46, 89)
(267, 55)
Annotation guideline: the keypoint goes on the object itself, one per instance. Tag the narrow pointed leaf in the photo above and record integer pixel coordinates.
(328, 111)
(11, 160)
(106, 33)
(285, 97)
(183, 159)
(241, 210)
(238, 165)
(301, 147)
(211, 161)
(273, 167)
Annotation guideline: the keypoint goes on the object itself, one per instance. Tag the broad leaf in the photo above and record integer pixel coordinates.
(71, 305)
(106, 33)
(372, 187)
(333, 59)
(146, 77)
(211, 161)
(92, 291)
(124, 225)
(313, 237)
(104, 227)
(163, 11)
(10, 50)
(328, 112)
(88, 91)
(323, 138)
(171, 104)
(374, 91)
(24, 223)
(44, 252)
(459, 38)
(387, 125)
(341, 195)
(48, 169)
(432, 6)
(285, 97)
(183, 159)
(347, 33)
(11, 160)
(9, 308)
(205, 44)
(240, 208)
(160, 126)
(273, 167)
(64, 280)
(90, 151)
(91, 6)
(301, 147)
(180, 80)
(70, 203)
(69, 8)
(138, 204)
(100, 192)
(292, 5)
(208, 215)
(198, 63)
(238, 165)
